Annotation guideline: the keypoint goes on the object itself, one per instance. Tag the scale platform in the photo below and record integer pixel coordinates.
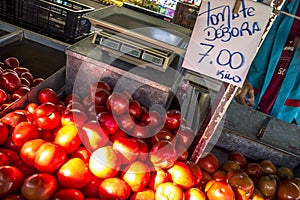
(138, 38)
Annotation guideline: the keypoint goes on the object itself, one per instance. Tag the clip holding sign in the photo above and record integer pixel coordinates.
(237, 6)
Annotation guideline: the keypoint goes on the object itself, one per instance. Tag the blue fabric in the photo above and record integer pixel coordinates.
(265, 61)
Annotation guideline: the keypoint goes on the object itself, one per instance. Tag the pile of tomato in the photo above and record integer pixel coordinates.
(106, 145)
(15, 81)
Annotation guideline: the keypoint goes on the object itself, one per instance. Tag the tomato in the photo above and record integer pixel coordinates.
(126, 123)
(209, 163)
(163, 154)
(3, 96)
(98, 86)
(241, 184)
(14, 118)
(194, 194)
(238, 157)
(23, 132)
(12, 156)
(20, 92)
(39, 186)
(15, 197)
(3, 133)
(47, 116)
(145, 194)
(106, 120)
(82, 153)
(49, 157)
(153, 119)
(25, 169)
(11, 62)
(30, 107)
(11, 180)
(29, 150)
(158, 177)
(3, 159)
(143, 150)
(254, 170)
(127, 148)
(37, 81)
(117, 103)
(100, 97)
(64, 194)
(11, 81)
(135, 109)
(196, 171)
(68, 138)
(181, 175)
(287, 190)
(105, 162)
(219, 190)
(173, 119)
(185, 136)
(114, 188)
(169, 190)
(93, 135)
(47, 95)
(73, 117)
(91, 189)
(74, 174)
(72, 98)
(9, 144)
(136, 175)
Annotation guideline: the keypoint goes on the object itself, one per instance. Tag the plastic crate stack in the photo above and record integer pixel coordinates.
(61, 19)
(8, 10)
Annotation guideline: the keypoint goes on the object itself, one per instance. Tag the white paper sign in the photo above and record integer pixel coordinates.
(223, 44)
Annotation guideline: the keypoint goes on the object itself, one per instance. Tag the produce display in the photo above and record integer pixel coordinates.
(107, 146)
(15, 81)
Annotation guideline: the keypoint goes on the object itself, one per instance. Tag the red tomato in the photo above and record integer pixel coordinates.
(135, 109)
(127, 148)
(68, 138)
(169, 190)
(158, 177)
(100, 96)
(25, 169)
(74, 174)
(47, 135)
(82, 153)
(136, 175)
(219, 190)
(114, 188)
(47, 95)
(10, 180)
(49, 157)
(72, 98)
(12, 156)
(47, 117)
(238, 157)
(209, 163)
(15, 197)
(14, 118)
(73, 117)
(153, 119)
(29, 150)
(145, 194)
(185, 136)
(105, 162)
(23, 132)
(3, 96)
(3, 159)
(11, 81)
(106, 120)
(20, 92)
(117, 103)
(196, 171)
(126, 123)
(66, 194)
(31, 107)
(163, 154)
(11, 62)
(173, 119)
(91, 189)
(39, 186)
(98, 86)
(194, 194)
(3, 133)
(143, 150)
(9, 144)
(181, 175)
(93, 135)
(37, 81)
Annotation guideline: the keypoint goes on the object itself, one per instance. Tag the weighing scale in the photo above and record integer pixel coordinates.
(137, 38)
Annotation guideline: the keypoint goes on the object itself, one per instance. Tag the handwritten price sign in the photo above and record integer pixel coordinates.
(223, 43)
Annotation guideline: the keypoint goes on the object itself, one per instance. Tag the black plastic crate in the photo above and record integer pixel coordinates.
(60, 19)
(8, 10)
